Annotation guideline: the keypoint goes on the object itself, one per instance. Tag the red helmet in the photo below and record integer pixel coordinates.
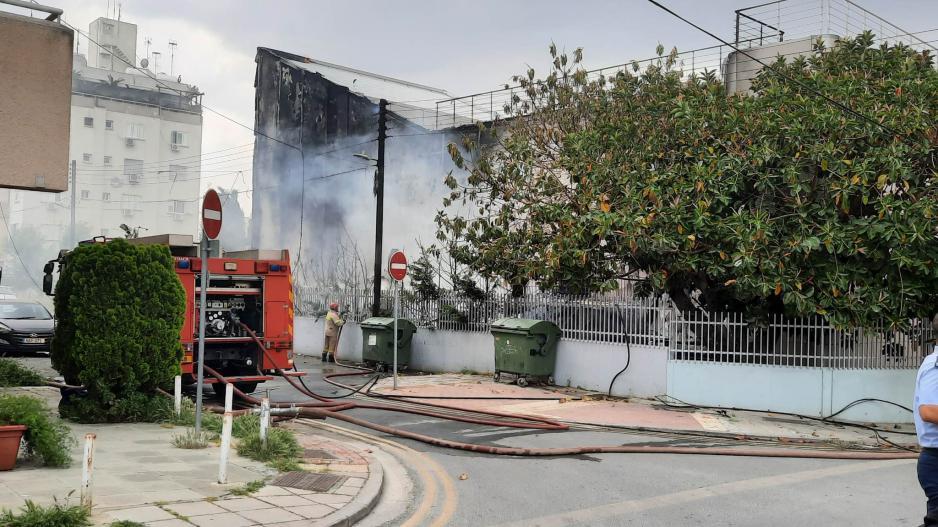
(333, 306)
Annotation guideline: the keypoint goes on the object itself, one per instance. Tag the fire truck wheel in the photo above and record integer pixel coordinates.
(246, 387)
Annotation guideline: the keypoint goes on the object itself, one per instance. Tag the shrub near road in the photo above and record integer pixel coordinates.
(120, 308)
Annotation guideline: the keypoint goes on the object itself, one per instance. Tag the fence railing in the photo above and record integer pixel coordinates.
(798, 342)
(727, 338)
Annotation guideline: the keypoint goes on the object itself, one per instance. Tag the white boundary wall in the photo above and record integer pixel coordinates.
(810, 391)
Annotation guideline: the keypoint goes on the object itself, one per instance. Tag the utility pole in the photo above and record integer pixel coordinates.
(379, 212)
(74, 185)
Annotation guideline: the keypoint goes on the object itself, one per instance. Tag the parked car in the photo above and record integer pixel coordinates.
(25, 327)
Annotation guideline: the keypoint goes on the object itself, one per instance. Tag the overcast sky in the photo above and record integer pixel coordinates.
(462, 47)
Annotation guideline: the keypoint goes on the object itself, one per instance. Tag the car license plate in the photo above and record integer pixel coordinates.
(33, 340)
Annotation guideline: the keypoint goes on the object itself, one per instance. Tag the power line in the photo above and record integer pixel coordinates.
(831, 101)
(15, 250)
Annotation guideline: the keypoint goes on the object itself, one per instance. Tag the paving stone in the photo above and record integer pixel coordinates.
(347, 490)
(229, 519)
(140, 514)
(269, 516)
(354, 482)
(312, 511)
(272, 490)
(195, 508)
(336, 500)
(286, 501)
(175, 522)
(242, 504)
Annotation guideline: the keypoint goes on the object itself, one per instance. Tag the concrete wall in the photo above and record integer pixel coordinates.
(35, 86)
(816, 392)
(811, 391)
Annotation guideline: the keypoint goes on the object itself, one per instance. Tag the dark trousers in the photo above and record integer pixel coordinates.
(928, 479)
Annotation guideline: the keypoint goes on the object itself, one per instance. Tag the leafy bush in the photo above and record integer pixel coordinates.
(281, 452)
(47, 438)
(126, 523)
(120, 308)
(245, 425)
(55, 515)
(13, 373)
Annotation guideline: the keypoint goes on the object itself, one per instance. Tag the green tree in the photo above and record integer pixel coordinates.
(772, 202)
(119, 310)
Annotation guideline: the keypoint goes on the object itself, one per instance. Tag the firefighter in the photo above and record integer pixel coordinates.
(333, 323)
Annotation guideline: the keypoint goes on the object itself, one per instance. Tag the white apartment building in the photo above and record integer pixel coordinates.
(135, 143)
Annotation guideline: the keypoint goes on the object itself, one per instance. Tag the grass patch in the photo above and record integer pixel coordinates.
(55, 515)
(13, 373)
(47, 439)
(282, 451)
(245, 425)
(249, 488)
(126, 523)
(191, 440)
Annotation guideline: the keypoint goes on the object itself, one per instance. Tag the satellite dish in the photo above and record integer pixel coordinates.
(144, 63)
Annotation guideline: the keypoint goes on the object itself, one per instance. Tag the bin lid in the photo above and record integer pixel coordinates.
(524, 324)
(387, 323)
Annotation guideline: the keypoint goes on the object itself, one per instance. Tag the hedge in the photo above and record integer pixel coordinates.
(119, 310)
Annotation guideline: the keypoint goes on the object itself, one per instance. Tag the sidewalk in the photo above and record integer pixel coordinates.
(596, 409)
(140, 476)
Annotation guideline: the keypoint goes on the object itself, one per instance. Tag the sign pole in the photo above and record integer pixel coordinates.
(211, 228)
(203, 292)
(397, 299)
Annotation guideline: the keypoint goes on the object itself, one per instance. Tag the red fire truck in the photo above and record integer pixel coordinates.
(252, 287)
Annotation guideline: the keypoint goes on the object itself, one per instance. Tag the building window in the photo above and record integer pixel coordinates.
(108, 28)
(178, 139)
(89, 122)
(105, 196)
(86, 158)
(176, 173)
(107, 160)
(133, 170)
(108, 124)
(104, 60)
(177, 207)
(130, 204)
(135, 131)
(85, 194)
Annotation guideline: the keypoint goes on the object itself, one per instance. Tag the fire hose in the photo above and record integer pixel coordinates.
(328, 408)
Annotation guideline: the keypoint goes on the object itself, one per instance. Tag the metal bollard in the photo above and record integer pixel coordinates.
(225, 436)
(87, 470)
(178, 394)
(265, 420)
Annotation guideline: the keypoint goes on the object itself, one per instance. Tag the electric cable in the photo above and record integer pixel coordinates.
(16, 251)
(628, 347)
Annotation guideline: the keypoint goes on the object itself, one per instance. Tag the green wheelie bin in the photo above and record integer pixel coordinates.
(526, 348)
(378, 343)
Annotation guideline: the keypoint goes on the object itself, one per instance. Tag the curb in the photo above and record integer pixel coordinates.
(363, 503)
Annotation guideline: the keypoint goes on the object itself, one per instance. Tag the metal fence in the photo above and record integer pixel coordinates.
(586, 318)
(699, 336)
(798, 342)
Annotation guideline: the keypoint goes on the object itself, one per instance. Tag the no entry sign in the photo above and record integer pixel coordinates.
(397, 265)
(211, 214)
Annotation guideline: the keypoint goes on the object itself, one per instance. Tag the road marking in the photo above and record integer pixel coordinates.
(612, 510)
(419, 463)
(503, 431)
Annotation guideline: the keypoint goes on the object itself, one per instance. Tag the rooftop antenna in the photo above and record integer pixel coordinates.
(148, 41)
(172, 55)
(118, 11)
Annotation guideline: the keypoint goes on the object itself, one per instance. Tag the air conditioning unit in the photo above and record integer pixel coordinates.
(133, 179)
(174, 147)
(130, 141)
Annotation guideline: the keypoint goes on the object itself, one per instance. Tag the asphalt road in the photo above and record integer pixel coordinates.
(623, 489)
(644, 490)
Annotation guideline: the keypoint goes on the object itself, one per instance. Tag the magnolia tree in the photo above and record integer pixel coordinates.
(815, 194)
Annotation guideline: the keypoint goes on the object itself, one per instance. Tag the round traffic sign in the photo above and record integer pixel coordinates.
(397, 265)
(211, 214)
